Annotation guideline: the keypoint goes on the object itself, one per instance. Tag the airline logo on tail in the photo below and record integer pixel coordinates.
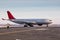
(10, 16)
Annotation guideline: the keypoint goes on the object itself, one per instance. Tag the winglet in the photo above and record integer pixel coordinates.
(10, 16)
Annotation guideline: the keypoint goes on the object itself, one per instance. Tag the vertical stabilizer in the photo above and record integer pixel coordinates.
(10, 16)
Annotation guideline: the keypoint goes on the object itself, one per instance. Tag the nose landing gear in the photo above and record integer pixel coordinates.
(47, 25)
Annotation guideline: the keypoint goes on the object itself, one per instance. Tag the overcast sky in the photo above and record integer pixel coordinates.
(49, 9)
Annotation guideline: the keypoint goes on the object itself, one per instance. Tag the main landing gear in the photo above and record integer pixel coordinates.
(26, 25)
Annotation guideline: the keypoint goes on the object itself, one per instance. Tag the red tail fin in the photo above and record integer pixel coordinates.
(10, 16)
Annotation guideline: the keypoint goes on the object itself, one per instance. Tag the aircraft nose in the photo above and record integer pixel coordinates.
(50, 20)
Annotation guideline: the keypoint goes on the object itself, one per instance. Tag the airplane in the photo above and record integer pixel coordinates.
(28, 22)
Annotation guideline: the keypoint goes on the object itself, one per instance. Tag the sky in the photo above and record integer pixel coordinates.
(47, 9)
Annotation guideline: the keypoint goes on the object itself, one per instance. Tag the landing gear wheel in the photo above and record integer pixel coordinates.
(25, 26)
(31, 25)
(47, 25)
(7, 27)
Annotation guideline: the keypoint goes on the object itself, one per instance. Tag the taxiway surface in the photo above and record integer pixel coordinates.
(30, 33)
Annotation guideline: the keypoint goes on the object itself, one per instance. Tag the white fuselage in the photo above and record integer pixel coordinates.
(32, 21)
